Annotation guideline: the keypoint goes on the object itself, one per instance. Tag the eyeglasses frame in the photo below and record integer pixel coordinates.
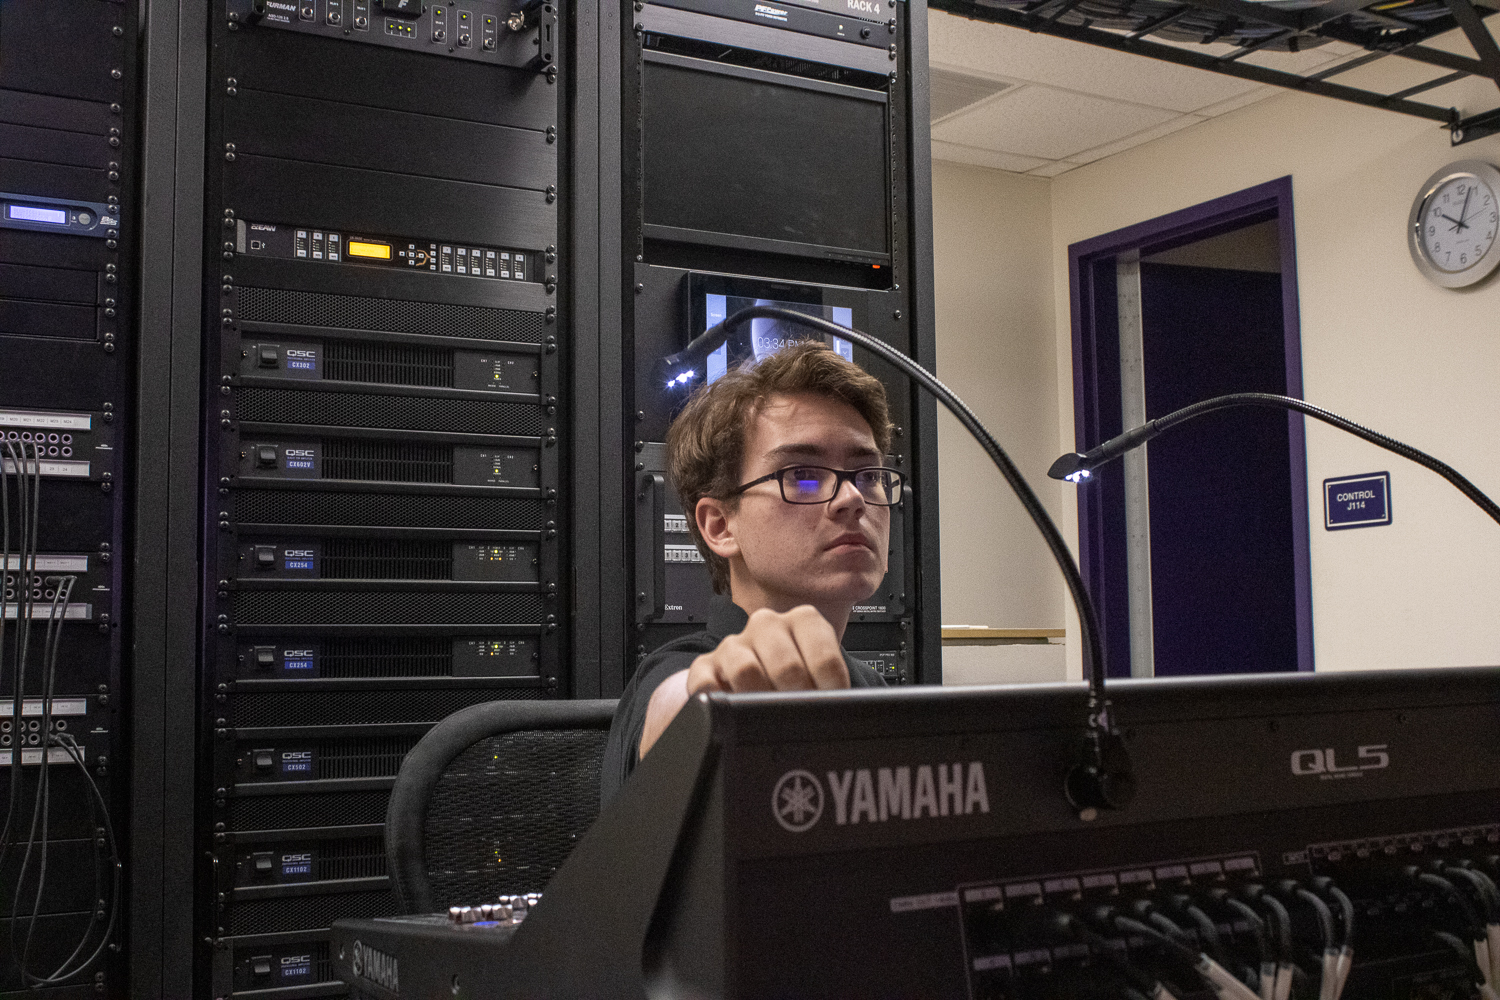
(841, 476)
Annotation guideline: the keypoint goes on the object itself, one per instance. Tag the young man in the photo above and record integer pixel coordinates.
(778, 467)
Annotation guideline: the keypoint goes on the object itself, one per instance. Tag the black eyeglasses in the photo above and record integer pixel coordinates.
(878, 486)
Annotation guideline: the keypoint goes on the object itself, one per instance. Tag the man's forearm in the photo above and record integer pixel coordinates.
(666, 701)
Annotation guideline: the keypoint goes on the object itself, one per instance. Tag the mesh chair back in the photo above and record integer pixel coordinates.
(492, 800)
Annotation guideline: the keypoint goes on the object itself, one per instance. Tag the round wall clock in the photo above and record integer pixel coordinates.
(1453, 222)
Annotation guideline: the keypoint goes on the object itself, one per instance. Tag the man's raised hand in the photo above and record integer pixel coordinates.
(796, 650)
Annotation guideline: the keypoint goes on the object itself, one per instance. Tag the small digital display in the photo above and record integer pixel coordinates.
(368, 250)
(761, 338)
(34, 213)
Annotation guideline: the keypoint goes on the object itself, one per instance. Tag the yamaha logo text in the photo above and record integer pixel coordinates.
(375, 966)
(882, 794)
(1325, 762)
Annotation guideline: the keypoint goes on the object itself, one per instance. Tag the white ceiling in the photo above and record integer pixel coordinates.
(1033, 104)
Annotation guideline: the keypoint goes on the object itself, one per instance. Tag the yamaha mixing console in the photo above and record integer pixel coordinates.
(1305, 836)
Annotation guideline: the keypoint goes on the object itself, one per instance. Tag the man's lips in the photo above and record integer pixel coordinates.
(850, 539)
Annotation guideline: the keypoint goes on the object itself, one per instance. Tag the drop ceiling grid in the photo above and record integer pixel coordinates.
(1069, 103)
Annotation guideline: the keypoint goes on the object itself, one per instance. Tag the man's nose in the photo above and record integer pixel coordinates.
(846, 495)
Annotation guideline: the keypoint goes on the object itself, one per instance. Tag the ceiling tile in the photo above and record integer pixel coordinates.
(1047, 123)
(951, 91)
(1249, 97)
(984, 157)
(1053, 169)
(994, 49)
(1119, 146)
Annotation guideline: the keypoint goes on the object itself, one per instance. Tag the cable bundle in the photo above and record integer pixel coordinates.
(14, 661)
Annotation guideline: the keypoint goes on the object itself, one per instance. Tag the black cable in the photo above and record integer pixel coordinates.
(1340, 899)
(75, 752)
(1208, 931)
(25, 564)
(1105, 780)
(1162, 938)
(1471, 918)
(1135, 976)
(1477, 881)
(1117, 446)
(15, 705)
(1476, 976)
(62, 594)
(43, 802)
(1264, 957)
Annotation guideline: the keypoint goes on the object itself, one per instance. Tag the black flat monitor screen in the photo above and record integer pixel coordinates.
(765, 161)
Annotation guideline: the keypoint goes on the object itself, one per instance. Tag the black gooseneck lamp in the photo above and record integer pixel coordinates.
(1078, 467)
(1103, 777)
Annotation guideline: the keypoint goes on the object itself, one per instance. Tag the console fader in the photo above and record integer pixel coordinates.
(69, 139)
(383, 427)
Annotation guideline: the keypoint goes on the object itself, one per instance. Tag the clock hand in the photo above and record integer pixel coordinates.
(1457, 223)
(1463, 213)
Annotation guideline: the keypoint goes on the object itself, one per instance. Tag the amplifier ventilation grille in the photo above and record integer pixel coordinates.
(320, 607)
(387, 658)
(387, 509)
(387, 462)
(417, 413)
(363, 708)
(386, 559)
(302, 812)
(352, 857)
(307, 913)
(350, 312)
(363, 757)
(387, 364)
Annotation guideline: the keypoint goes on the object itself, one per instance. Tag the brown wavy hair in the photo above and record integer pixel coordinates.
(706, 443)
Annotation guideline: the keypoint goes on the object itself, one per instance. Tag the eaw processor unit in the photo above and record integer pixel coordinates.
(384, 437)
(68, 146)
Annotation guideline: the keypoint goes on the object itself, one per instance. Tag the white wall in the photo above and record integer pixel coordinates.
(1380, 345)
(995, 334)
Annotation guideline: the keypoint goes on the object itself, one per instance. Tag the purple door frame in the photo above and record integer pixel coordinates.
(1262, 202)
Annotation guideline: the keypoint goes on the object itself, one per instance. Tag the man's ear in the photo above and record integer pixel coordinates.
(714, 525)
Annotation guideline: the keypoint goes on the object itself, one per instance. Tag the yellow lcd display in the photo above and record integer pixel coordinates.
(375, 251)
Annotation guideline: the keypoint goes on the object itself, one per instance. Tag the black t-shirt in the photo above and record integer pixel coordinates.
(725, 618)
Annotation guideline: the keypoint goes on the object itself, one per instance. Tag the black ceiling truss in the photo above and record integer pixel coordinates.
(1382, 27)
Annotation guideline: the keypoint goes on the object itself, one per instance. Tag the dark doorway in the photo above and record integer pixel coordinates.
(1196, 554)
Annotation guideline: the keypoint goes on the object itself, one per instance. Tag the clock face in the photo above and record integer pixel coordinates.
(1454, 223)
(1459, 223)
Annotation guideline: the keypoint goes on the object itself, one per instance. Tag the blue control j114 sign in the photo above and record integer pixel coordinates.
(1357, 501)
